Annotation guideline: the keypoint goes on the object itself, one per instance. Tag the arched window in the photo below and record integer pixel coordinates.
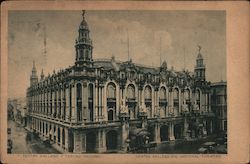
(197, 95)
(176, 94)
(148, 100)
(176, 101)
(111, 91)
(81, 54)
(131, 92)
(90, 93)
(79, 101)
(148, 92)
(79, 91)
(187, 94)
(163, 94)
(110, 115)
(87, 54)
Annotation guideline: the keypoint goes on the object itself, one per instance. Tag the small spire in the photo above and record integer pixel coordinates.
(42, 75)
(34, 67)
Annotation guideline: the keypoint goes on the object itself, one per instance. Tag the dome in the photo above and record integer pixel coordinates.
(83, 24)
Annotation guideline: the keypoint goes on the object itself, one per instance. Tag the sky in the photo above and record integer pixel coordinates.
(173, 35)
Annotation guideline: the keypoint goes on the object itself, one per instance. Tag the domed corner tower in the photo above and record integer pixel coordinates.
(83, 45)
(200, 69)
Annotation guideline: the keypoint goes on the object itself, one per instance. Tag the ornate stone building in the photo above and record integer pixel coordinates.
(96, 105)
(219, 105)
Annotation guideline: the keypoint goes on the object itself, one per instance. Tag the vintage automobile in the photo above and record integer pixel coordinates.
(139, 141)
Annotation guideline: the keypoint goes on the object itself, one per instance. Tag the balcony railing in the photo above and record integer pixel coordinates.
(163, 102)
(111, 99)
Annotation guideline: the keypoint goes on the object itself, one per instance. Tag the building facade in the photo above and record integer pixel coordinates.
(219, 105)
(95, 105)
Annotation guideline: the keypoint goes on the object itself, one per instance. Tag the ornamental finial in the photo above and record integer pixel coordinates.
(83, 13)
(199, 48)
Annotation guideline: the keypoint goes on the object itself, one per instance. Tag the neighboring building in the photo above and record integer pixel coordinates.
(219, 105)
(96, 105)
(17, 110)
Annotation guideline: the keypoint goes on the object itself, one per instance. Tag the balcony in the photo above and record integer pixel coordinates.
(148, 100)
(131, 100)
(111, 100)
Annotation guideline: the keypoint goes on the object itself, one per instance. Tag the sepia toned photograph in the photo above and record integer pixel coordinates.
(124, 82)
(117, 82)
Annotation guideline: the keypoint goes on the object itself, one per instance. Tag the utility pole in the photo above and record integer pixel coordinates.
(160, 52)
(128, 44)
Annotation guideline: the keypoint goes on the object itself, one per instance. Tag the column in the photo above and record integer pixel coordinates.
(62, 104)
(153, 103)
(73, 103)
(67, 96)
(45, 103)
(171, 101)
(48, 104)
(59, 103)
(185, 128)
(202, 101)
(99, 103)
(85, 101)
(157, 101)
(171, 132)
(96, 102)
(103, 140)
(180, 100)
(157, 133)
(53, 98)
(125, 133)
(209, 102)
(99, 141)
(104, 102)
(56, 134)
(117, 102)
(77, 142)
(211, 127)
(66, 139)
(83, 137)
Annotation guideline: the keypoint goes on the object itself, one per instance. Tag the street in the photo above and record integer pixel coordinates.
(186, 147)
(22, 146)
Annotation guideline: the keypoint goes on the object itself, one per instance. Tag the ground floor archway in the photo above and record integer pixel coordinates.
(164, 133)
(90, 142)
(111, 140)
(177, 131)
(151, 130)
(71, 140)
